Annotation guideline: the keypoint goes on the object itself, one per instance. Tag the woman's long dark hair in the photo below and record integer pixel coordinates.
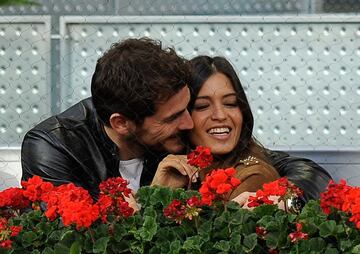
(202, 68)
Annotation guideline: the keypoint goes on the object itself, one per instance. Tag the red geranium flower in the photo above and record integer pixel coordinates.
(281, 188)
(201, 157)
(6, 244)
(334, 196)
(112, 198)
(14, 198)
(218, 184)
(35, 188)
(298, 235)
(115, 186)
(260, 198)
(175, 211)
(179, 210)
(74, 205)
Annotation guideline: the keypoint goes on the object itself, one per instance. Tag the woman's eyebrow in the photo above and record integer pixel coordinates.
(202, 97)
(230, 94)
(208, 97)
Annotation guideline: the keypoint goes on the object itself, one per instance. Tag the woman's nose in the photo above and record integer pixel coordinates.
(218, 113)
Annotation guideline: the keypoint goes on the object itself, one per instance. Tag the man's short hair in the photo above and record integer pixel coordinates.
(134, 75)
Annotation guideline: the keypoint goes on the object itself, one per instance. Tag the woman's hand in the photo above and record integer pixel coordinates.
(243, 198)
(173, 171)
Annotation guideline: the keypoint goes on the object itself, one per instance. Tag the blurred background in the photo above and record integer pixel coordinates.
(299, 61)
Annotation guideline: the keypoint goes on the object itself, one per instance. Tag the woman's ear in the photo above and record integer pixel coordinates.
(121, 124)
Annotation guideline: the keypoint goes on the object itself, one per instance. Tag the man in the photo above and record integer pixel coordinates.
(137, 111)
(136, 116)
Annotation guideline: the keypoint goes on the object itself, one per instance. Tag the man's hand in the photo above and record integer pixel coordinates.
(173, 171)
(132, 201)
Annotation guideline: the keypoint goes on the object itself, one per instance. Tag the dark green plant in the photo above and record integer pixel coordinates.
(17, 2)
(217, 229)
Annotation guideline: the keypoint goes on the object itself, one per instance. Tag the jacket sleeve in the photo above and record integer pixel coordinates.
(304, 173)
(40, 156)
(253, 177)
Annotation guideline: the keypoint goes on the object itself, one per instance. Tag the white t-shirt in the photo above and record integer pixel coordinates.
(131, 171)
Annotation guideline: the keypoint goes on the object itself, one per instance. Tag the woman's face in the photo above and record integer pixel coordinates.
(216, 115)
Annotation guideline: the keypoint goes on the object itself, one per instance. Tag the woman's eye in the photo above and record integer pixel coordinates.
(200, 106)
(231, 104)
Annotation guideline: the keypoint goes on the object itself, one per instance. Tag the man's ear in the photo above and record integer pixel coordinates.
(121, 124)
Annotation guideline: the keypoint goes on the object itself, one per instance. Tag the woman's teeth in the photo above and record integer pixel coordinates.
(219, 131)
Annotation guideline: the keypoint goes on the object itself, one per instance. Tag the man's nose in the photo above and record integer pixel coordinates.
(186, 122)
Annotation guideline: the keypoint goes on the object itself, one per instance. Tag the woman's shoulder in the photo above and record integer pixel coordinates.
(251, 160)
(254, 165)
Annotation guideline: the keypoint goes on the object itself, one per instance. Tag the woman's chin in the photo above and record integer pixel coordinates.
(221, 150)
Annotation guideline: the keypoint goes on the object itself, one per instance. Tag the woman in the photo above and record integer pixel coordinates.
(223, 121)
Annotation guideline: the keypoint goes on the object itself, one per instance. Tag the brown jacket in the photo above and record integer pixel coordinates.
(253, 173)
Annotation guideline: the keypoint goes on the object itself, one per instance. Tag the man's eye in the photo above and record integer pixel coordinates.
(173, 118)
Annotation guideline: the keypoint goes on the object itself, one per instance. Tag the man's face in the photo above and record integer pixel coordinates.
(161, 131)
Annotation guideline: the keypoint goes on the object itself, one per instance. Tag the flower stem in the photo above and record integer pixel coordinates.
(196, 219)
(92, 235)
(190, 180)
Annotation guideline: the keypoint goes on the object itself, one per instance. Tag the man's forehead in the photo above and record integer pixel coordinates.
(172, 104)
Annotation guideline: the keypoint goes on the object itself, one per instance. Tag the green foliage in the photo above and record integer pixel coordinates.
(17, 2)
(217, 229)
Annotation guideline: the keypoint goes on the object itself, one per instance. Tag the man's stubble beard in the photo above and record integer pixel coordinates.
(134, 139)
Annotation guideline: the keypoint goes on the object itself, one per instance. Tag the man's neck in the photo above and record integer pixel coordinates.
(127, 150)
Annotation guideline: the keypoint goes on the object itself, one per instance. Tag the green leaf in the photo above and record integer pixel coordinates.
(67, 236)
(331, 251)
(101, 245)
(35, 252)
(162, 196)
(235, 242)
(313, 213)
(75, 248)
(193, 244)
(148, 229)
(44, 227)
(328, 228)
(56, 235)
(272, 239)
(250, 241)
(17, 2)
(315, 244)
(205, 230)
(47, 250)
(345, 245)
(222, 245)
(29, 237)
(150, 211)
(175, 247)
(119, 232)
(144, 194)
(60, 248)
(136, 247)
(264, 210)
(102, 230)
(356, 249)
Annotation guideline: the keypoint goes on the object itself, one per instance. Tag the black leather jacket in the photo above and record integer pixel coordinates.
(73, 147)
